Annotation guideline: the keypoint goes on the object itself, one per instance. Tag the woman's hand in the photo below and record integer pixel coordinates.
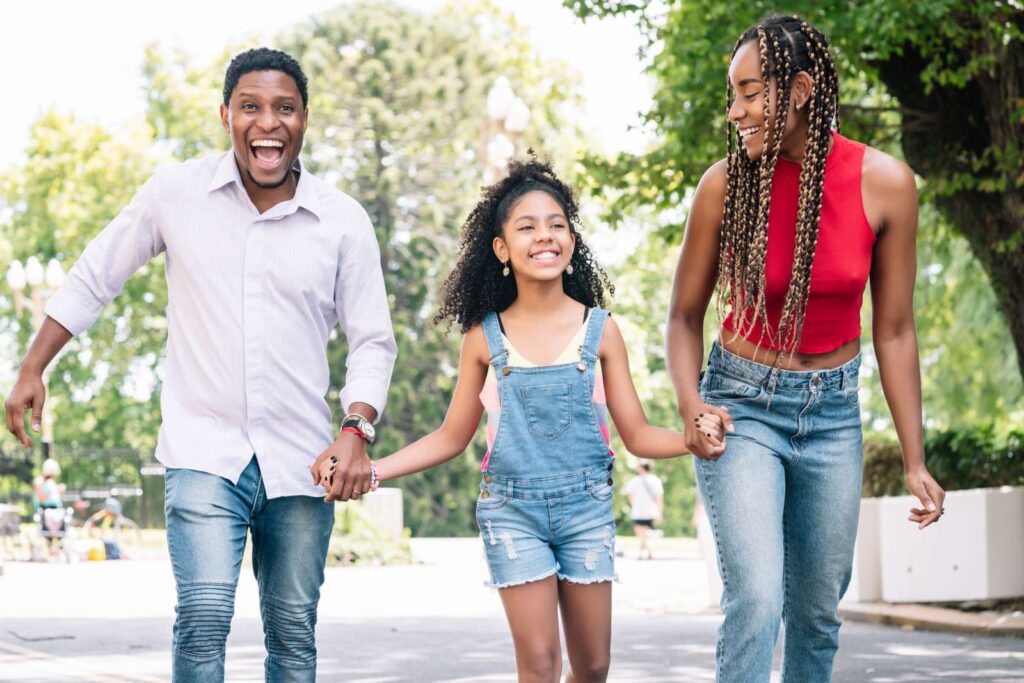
(931, 495)
(705, 429)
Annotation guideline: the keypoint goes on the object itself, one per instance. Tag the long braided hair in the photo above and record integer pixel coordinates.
(787, 46)
(477, 286)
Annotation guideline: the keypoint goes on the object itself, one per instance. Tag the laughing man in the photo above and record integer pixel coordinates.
(263, 259)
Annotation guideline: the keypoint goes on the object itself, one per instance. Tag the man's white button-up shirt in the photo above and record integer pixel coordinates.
(252, 300)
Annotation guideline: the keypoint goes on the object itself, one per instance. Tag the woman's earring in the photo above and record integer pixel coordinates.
(798, 105)
(568, 269)
(505, 271)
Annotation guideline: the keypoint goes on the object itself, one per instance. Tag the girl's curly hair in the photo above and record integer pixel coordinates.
(476, 286)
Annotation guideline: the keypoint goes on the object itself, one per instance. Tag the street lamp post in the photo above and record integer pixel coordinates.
(32, 284)
(508, 116)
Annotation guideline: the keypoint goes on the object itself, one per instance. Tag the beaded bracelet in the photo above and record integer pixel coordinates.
(374, 477)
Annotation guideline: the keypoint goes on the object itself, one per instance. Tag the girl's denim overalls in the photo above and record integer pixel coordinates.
(545, 504)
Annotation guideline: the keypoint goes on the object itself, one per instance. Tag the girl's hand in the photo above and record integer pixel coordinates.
(705, 430)
(931, 495)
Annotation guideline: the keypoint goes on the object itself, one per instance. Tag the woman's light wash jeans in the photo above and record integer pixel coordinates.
(783, 502)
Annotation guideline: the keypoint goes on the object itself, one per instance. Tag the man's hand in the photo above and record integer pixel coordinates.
(343, 469)
(28, 393)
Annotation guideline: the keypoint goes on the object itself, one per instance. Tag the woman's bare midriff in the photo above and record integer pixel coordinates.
(799, 362)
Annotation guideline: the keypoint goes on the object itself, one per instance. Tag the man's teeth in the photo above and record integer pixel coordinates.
(267, 143)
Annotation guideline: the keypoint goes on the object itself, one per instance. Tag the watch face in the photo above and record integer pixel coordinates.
(369, 430)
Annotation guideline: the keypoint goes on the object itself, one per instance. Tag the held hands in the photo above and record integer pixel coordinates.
(931, 495)
(28, 393)
(705, 430)
(343, 469)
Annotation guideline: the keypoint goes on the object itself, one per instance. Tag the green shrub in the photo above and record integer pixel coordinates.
(356, 540)
(883, 469)
(975, 458)
(958, 459)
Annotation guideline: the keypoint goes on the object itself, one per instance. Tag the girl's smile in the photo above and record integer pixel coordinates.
(536, 242)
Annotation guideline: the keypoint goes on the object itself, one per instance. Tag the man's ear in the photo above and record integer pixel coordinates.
(224, 118)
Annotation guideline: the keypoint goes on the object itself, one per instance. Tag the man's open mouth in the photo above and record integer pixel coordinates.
(268, 153)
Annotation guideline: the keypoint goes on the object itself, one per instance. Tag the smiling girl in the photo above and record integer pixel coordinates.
(542, 357)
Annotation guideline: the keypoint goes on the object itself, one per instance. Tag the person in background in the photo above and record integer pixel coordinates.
(646, 503)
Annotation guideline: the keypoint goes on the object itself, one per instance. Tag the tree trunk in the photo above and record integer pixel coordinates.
(969, 142)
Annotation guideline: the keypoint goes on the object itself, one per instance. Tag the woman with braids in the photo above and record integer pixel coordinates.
(791, 226)
(541, 356)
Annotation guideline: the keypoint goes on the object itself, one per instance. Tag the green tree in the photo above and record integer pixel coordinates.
(76, 180)
(399, 100)
(940, 84)
(397, 111)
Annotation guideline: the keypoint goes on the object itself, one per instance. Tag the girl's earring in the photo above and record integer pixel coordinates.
(505, 271)
(568, 269)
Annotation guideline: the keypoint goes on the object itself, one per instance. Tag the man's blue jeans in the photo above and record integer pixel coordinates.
(783, 501)
(207, 521)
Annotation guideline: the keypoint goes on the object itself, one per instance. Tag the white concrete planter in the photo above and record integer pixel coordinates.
(706, 542)
(976, 552)
(866, 582)
(384, 508)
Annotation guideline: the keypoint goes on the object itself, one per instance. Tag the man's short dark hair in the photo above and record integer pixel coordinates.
(264, 59)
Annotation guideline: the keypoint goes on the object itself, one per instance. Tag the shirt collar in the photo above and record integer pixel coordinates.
(305, 193)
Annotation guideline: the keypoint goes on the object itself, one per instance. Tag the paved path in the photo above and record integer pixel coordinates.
(432, 621)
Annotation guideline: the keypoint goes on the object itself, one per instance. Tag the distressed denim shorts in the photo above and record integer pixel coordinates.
(536, 528)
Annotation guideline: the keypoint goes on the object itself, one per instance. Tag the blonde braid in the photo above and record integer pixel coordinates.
(744, 238)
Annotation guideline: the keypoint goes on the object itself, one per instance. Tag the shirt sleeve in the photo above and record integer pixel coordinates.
(658, 488)
(362, 307)
(121, 248)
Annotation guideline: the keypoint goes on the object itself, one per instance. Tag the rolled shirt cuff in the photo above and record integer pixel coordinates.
(365, 391)
(71, 311)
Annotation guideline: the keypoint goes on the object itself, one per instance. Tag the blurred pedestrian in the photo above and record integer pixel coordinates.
(646, 505)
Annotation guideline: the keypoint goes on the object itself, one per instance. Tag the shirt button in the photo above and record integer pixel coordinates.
(609, 481)
(488, 479)
(611, 466)
(485, 494)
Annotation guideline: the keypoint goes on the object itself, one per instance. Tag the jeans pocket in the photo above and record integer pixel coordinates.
(725, 387)
(602, 490)
(490, 499)
(548, 408)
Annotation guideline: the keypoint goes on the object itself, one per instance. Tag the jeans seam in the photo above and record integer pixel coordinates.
(799, 428)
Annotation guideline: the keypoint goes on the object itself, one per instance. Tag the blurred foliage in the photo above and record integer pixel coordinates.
(883, 469)
(356, 540)
(959, 459)
(398, 120)
(939, 84)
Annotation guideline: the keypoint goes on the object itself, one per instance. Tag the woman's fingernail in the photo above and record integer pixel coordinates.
(931, 507)
(730, 428)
